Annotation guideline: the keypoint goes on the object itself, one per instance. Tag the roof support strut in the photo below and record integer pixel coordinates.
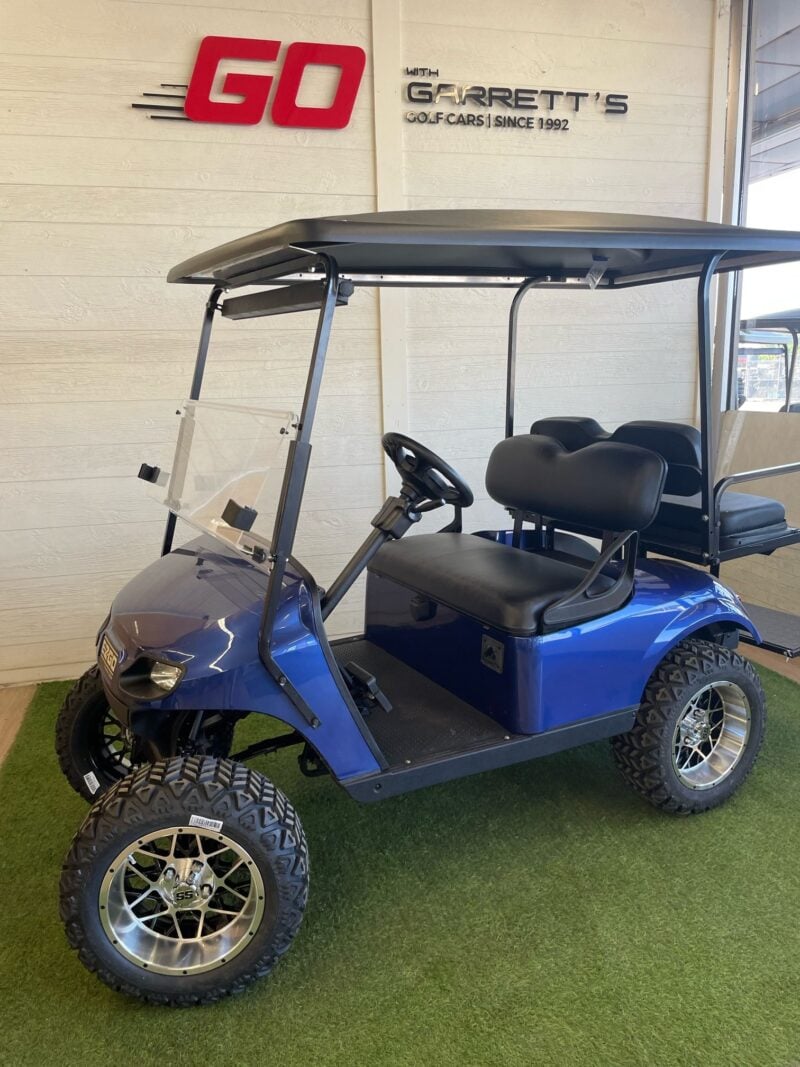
(294, 481)
(511, 368)
(791, 367)
(710, 546)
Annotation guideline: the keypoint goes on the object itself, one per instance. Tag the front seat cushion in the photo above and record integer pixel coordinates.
(502, 586)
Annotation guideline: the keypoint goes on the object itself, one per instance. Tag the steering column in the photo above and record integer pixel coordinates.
(428, 483)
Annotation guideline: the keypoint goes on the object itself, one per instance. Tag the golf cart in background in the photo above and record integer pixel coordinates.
(580, 621)
(775, 334)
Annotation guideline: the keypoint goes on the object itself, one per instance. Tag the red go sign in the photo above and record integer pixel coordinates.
(255, 89)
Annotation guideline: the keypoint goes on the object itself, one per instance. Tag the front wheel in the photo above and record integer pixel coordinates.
(94, 749)
(698, 729)
(186, 882)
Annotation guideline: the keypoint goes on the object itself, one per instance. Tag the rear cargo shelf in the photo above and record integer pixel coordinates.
(779, 630)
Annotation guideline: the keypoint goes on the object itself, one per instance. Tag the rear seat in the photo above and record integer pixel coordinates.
(745, 520)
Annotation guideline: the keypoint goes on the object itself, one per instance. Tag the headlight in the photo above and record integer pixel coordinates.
(165, 675)
(151, 679)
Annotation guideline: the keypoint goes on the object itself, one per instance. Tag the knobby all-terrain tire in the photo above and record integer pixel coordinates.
(79, 739)
(645, 753)
(254, 813)
(83, 755)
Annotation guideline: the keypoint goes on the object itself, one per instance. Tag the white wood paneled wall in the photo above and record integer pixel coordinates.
(97, 202)
(620, 357)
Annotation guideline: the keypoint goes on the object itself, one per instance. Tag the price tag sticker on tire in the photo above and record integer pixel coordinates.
(204, 823)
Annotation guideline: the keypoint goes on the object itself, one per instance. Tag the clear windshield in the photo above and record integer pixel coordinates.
(226, 474)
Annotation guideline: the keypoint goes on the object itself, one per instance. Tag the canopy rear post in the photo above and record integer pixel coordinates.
(511, 368)
(212, 306)
(787, 373)
(791, 370)
(707, 421)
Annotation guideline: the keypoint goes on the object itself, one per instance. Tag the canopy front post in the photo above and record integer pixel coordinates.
(294, 480)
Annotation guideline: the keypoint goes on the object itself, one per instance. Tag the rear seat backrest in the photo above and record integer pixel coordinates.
(677, 443)
(573, 431)
(604, 486)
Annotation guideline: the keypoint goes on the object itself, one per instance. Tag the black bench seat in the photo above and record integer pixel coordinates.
(748, 523)
(615, 486)
(502, 586)
(744, 519)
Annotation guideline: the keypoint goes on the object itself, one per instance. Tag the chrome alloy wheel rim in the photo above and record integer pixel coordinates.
(115, 746)
(711, 734)
(181, 900)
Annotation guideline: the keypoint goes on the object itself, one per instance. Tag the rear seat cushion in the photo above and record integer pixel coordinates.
(743, 517)
(739, 512)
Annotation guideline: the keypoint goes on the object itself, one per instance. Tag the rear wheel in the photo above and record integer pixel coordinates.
(698, 730)
(187, 881)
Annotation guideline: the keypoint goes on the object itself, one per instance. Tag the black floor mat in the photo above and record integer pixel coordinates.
(426, 720)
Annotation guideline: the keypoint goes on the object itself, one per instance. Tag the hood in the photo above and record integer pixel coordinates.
(188, 590)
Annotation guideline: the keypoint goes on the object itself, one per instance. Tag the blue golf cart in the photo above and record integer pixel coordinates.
(596, 612)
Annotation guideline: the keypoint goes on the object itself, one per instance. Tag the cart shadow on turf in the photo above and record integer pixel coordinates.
(581, 621)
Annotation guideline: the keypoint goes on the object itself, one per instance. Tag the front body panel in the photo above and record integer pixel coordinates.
(201, 606)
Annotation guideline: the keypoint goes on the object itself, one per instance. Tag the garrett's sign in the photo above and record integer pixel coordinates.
(254, 92)
(500, 106)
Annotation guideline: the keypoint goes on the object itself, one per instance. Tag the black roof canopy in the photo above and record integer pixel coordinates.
(474, 245)
(775, 320)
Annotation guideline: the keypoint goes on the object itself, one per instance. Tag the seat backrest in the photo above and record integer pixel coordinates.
(677, 443)
(604, 486)
(573, 431)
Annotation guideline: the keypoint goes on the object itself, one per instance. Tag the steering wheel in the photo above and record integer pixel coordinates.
(424, 474)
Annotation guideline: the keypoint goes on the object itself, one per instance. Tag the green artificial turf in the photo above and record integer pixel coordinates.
(537, 915)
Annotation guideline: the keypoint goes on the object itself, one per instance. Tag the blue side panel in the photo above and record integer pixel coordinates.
(201, 606)
(605, 664)
(447, 648)
(553, 680)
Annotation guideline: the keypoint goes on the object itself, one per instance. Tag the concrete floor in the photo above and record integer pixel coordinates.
(14, 700)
